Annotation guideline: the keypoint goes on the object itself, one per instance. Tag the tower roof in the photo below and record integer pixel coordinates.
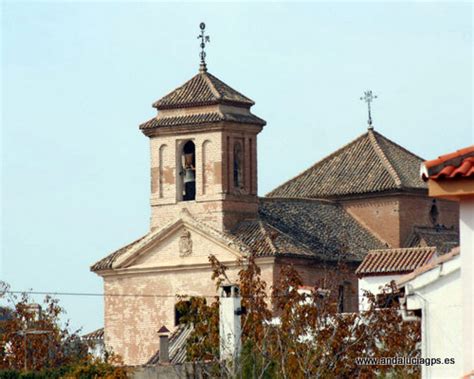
(369, 164)
(203, 89)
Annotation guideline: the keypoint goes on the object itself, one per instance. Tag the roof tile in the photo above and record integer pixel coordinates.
(201, 118)
(429, 266)
(459, 164)
(371, 163)
(203, 89)
(395, 261)
(315, 229)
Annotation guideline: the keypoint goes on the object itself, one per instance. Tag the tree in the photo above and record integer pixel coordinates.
(31, 336)
(301, 334)
(33, 343)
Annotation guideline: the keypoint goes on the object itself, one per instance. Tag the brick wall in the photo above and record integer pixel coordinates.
(391, 218)
(218, 201)
(416, 211)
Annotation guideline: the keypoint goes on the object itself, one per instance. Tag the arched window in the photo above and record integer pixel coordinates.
(188, 171)
(238, 166)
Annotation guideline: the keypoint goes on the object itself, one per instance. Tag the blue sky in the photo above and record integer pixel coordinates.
(78, 78)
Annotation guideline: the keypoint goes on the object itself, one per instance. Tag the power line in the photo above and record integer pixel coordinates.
(101, 294)
(96, 294)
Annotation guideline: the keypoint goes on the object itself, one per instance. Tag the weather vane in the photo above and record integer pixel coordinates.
(204, 39)
(368, 98)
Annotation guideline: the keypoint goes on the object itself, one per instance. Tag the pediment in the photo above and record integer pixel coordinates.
(183, 244)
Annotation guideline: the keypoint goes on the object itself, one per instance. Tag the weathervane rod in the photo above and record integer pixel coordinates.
(368, 98)
(204, 39)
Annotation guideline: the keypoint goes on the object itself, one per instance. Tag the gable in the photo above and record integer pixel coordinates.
(183, 246)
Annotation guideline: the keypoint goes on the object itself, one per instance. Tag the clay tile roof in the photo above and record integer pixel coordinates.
(95, 335)
(371, 163)
(106, 263)
(202, 89)
(201, 118)
(443, 238)
(429, 266)
(266, 240)
(459, 164)
(395, 261)
(316, 228)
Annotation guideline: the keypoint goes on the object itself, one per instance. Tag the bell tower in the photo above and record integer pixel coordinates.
(203, 146)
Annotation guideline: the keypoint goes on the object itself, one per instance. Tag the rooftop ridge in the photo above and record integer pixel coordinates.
(327, 157)
(299, 199)
(369, 164)
(288, 237)
(211, 85)
(267, 237)
(397, 145)
(385, 161)
(398, 249)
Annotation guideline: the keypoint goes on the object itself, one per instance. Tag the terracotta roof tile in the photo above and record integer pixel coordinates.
(371, 163)
(316, 229)
(322, 227)
(106, 263)
(199, 119)
(459, 164)
(95, 335)
(444, 239)
(203, 89)
(429, 266)
(266, 240)
(395, 261)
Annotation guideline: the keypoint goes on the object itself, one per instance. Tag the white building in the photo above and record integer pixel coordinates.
(433, 293)
(95, 343)
(451, 177)
(380, 267)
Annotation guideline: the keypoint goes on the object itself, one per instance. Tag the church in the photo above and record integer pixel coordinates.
(204, 200)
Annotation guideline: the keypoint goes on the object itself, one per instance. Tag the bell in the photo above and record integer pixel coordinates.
(189, 175)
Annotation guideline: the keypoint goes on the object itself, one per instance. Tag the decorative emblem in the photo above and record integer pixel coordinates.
(185, 244)
(368, 98)
(204, 39)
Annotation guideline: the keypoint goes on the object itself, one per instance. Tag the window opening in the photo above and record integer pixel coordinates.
(238, 163)
(188, 172)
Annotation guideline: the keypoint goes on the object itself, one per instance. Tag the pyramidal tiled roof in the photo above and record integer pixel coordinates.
(371, 163)
(203, 89)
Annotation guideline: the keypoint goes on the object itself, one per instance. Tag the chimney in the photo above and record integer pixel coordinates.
(229, 322)
(164, 333)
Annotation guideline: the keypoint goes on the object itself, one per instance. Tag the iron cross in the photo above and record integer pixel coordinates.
(368, 98)
(204, 39)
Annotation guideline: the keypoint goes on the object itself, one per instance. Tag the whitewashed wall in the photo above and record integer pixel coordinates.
(467, 258)
(438, 293)
(373, 284)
